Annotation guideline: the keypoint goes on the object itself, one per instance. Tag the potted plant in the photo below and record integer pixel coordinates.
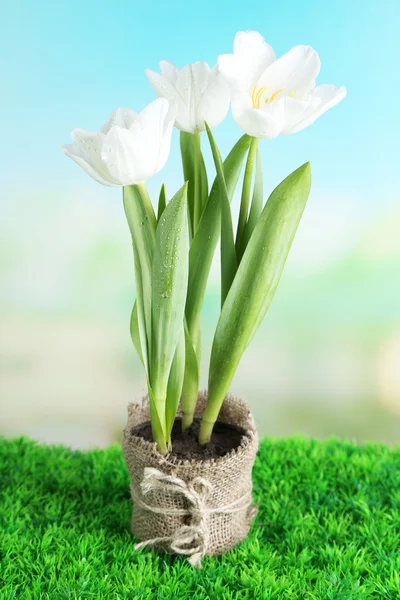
(190, 454)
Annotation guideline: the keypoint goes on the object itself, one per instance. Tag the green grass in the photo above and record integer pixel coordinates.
(328, 528)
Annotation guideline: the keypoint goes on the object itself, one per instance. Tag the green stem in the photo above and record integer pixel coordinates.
(203, 246)
(158, 431)
(246, 190)
(206, 428)
(142, 190)
(256, 206)
(189, 400)
(162, 201)
(197, 181)
(190, 384)
(197, 342)
(209, 416)
(186, 145)
(190, 389)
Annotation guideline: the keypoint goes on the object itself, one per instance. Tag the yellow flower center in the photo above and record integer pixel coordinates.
(258, 92)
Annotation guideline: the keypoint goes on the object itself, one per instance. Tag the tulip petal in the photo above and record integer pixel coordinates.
(169, 71)
(75, 153)
(256, 122)
(154, 131)
(251, 57)
(123, 156)
(191, 84)
(122, 117)
(214, 103)
(90, 145)
(198, 94)
(294, 110)
(164, 89)
(295, 71)
(165, 145)
(133, 155)
(324, 97)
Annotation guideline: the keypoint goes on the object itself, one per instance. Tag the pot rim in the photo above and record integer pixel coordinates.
(247, 441)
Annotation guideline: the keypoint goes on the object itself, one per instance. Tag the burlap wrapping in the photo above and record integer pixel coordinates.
(187, 506)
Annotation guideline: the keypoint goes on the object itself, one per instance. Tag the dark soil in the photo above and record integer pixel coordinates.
(185, 445)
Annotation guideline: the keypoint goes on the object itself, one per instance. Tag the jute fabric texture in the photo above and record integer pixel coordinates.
(191, 507)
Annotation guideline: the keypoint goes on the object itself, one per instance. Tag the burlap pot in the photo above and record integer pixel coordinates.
(191, 507)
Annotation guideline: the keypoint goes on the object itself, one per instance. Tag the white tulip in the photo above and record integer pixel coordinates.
(130, 147)
(272, 96)
(198, 92)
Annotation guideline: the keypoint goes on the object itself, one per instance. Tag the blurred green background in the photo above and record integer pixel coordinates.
(327, 358)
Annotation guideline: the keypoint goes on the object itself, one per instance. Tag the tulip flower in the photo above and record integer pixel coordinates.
(173, 249)
(130, 147)
(272, 96)
(198, 92)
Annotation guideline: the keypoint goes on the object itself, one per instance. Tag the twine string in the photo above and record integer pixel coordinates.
(190, 540)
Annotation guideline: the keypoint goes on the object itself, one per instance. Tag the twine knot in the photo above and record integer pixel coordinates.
(190, 540)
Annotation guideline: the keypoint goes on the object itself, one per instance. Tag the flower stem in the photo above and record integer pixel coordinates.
(245, 200)
(210, 414)
(142, 190)
(190, 388)
(191, 381)
(186, 145)
(187, 420)
(159, 435)
(206, 428)
(197, 180)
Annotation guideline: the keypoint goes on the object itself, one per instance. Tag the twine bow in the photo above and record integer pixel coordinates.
(190, 540)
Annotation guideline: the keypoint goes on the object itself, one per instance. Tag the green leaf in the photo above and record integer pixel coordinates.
(256, 206)
(169, 288)
(228, 251)
(194, 171)
(254, 285)
(175, 384)
(191, 381)
(158, 424)
(162, 201)
(135, 335)
(245, 199)
(203, 245)
(186, 143)
(142, 224)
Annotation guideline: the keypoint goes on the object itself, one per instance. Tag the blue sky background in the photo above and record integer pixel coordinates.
(68, 64)
(326, 358)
